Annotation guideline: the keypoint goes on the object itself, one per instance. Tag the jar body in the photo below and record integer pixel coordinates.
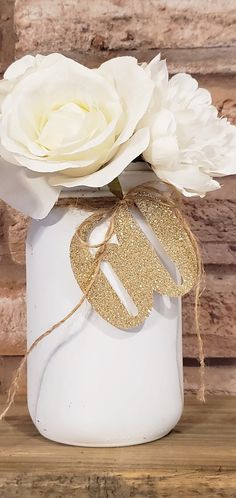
(90, 383)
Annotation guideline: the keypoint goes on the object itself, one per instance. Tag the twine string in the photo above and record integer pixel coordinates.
(108, 208)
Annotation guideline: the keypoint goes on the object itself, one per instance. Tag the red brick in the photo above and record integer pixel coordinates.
(223, 91)
(217, 316)
(218, 380)
(8, 366)
(13, 320)
(217, 311)
(7, 45)
(16, 228)
(3, 244)
(49, 25)
(212, 219)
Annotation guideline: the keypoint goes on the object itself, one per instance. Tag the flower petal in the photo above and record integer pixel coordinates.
(19, 67)
(126, 154)
(83, 157)
(164, 150)
(189, 180)
(134, 86)
(158, 72)
(24, 190)
(193, 146)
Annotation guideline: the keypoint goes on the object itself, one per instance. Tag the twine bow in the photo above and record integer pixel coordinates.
(109, 208)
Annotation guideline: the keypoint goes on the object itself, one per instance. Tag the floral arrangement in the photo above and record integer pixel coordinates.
(64, 125)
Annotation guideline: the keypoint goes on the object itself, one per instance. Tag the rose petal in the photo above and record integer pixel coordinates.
(83, 157)
(24, 190)
(66, 80)
(19, 67)
(32, 96)
(133, 86)
(5, 88)
(126, 154)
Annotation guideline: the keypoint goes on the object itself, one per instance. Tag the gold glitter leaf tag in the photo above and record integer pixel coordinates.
(135, 261)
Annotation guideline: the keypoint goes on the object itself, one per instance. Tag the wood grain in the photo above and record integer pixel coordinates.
(197, 459)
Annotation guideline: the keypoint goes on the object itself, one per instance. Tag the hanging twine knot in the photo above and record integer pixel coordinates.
(132, 262)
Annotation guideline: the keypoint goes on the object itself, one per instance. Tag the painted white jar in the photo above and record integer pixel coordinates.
(89, 383)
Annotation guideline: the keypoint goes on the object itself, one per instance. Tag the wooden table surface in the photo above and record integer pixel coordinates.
(197, 459)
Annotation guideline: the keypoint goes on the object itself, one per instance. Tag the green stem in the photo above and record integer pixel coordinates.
(115, 188)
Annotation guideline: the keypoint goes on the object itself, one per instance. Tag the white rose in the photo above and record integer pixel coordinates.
(64, 125)
(189, 144)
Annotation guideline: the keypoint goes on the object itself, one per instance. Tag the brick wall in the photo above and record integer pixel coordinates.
(195, 35)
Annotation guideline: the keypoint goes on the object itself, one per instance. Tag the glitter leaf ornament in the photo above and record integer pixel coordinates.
(135, 261)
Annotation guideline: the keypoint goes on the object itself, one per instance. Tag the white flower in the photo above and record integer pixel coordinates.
(64, 125)
(189, 144)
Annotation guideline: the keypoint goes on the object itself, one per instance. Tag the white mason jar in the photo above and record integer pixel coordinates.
(89, 383)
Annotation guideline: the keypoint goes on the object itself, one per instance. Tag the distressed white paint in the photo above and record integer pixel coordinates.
(89, 383)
